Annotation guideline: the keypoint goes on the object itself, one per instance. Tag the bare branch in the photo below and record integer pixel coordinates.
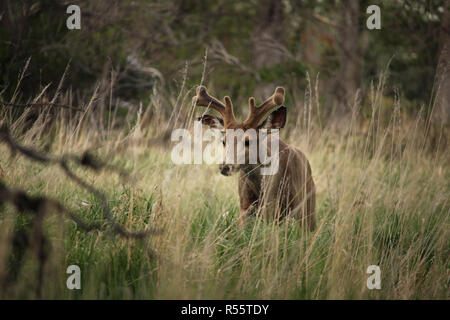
(5, 137)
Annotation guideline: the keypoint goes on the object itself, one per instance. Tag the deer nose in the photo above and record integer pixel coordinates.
(224, 169)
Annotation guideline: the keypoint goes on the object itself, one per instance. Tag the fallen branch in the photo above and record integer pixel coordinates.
(87, 161)
(40, 205)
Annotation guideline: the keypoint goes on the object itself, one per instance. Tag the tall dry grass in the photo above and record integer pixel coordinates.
(382, 199)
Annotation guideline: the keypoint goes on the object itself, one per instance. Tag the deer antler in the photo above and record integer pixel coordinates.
(203, 99)
(257, 113)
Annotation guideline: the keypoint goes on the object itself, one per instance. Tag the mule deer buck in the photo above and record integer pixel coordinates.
(291, 189)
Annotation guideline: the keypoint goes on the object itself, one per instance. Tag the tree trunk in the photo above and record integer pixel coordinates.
(441, 112)
(266, 39)
(349, 76)
(269, 29)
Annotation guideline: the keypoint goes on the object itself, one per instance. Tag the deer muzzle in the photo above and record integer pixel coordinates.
(225, 169)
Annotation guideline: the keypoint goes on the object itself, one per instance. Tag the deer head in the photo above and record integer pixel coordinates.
(241, 133)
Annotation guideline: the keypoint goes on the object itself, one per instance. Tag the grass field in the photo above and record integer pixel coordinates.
(382, 199)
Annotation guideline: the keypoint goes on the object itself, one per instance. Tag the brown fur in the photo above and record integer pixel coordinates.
(291, 190)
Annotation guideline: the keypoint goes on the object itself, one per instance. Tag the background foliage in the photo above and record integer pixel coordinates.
(252, 45)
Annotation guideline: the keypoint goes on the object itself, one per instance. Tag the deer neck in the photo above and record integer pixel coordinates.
(251, 176)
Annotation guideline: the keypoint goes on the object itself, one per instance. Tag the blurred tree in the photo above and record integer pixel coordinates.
(349, 74)
(442, 80)
(253, 45)
(269, 32)
(267, 40)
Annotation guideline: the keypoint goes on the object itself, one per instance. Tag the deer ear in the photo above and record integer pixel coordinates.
(211, 121)
(275, 120)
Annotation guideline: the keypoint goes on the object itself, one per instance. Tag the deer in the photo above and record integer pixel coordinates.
(290, 191)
